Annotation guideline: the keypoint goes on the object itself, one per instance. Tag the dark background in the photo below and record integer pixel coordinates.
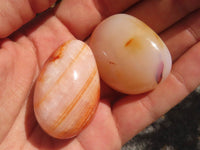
(179, 129)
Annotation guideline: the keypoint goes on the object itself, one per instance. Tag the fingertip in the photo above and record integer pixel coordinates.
(80, 17)
(14, 14)
(39, 6)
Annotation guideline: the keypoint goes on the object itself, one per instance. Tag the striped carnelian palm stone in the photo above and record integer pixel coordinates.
(67, 90)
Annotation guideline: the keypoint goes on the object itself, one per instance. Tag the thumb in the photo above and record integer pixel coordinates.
(14, 14)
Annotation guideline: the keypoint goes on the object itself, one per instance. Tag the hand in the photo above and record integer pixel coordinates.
(117, 120)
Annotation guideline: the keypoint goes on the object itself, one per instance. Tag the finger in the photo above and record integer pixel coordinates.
(47, 33)
(159, 15)
(134, 113)
(182, 35)
(80, 17)
(13, 14)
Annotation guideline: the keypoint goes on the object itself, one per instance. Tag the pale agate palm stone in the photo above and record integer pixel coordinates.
(67, 90)
(131, 57)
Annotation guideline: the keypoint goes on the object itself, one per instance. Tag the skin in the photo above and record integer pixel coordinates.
(118, 117)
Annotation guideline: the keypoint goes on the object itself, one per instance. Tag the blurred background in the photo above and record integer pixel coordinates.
(179, 129)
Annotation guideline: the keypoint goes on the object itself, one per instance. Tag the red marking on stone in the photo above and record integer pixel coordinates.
(128, 42)
(159, 73)
(58, 53)
(55, 58)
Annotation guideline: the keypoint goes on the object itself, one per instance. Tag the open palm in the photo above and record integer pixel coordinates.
(118, 117)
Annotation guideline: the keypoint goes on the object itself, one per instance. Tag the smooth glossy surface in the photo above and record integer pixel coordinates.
(67, 90)
(131, 57)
